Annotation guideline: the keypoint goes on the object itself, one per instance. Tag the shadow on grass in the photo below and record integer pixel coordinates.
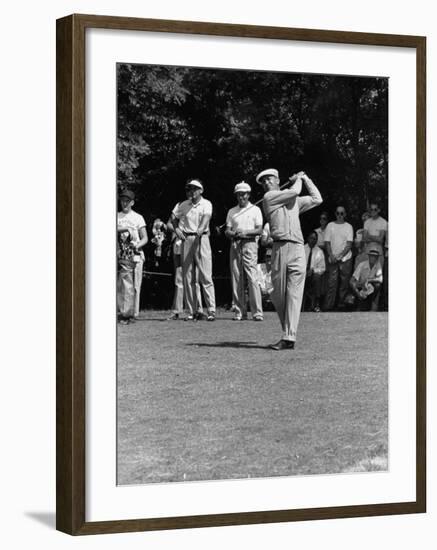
(141, 319)
(245, 345)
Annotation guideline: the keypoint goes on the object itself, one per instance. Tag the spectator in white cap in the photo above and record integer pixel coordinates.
(244, 224)
(282, 209)
(189, 220)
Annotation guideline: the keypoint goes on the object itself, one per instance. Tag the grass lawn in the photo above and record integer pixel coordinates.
(202, 401)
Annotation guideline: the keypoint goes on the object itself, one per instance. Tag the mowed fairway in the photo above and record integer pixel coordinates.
(203, 401)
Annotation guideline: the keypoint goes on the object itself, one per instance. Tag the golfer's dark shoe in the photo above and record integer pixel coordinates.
(282, 344)
(200, 316)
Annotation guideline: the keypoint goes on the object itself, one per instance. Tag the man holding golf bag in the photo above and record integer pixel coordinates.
(244, 224)
(282, 208)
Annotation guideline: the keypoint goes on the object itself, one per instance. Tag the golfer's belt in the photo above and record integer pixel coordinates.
(194, 234)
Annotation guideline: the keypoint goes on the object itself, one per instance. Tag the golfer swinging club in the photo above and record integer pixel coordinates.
(282, 209)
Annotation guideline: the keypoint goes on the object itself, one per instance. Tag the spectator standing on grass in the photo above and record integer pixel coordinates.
(267, 243)
(324, 217)
(265, 270)
(385, 273)
(375, 229)
(158, 231)
(366, 282)
(320, 231)
(360, 253)
(339, 237)
(189, 220)
(315, 262)
(132, 236)
(178, 299)
(282, 209)
(244, 225)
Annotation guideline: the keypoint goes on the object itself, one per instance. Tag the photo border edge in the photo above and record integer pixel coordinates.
(70, 275)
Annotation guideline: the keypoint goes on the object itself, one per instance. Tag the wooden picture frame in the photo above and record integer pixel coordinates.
(71, 248)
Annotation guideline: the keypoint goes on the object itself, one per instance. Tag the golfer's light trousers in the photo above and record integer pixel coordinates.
(243, 260)
(178, 301)
(288, 280)
(196, 252)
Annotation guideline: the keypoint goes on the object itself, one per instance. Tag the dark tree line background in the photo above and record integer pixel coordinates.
(224, 126)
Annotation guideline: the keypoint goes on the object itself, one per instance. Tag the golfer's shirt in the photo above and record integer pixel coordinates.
(190, 215)
(247, 218)
(282, 210)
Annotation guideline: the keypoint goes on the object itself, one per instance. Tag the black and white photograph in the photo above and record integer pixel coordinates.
(252, 274)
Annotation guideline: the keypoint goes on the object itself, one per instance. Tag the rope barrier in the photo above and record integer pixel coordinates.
(157, 273)
(218, 277)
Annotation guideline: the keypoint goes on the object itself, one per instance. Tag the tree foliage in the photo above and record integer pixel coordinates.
(224, 126)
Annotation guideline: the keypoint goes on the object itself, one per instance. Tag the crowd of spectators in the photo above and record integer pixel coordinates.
(346, 271)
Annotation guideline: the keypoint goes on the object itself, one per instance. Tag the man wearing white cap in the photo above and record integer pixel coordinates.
(282, 209)
(178, 300)
(190, 222)
(243, 226)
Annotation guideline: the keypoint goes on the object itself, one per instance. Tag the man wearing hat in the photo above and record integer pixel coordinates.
(132, 236)
(366, 282)
(375, 231)
(282, 209)
(243, 226)
(190, 222)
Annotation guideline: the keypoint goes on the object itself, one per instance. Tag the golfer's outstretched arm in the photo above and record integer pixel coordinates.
(282, 197)
(313, 199)
(275, 199)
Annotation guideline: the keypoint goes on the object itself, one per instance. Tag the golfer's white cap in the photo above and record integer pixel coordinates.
(242, 187)
(195, 183)
(268, 172)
